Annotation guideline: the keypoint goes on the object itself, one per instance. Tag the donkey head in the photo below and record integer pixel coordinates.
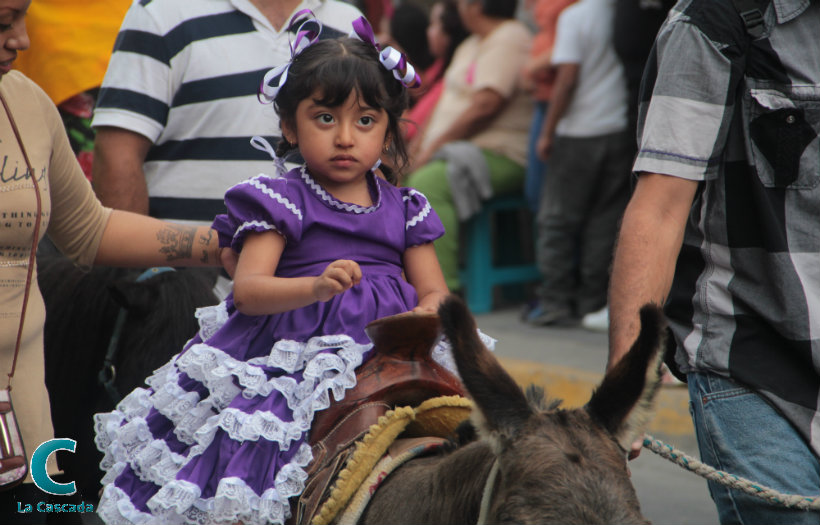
(556, 465)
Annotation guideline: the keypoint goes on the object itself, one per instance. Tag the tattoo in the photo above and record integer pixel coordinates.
(177, 241)
(205, 241)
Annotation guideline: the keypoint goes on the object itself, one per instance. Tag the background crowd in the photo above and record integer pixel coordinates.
(173, 118)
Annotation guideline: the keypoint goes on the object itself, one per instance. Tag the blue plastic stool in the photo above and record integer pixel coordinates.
(480, 275)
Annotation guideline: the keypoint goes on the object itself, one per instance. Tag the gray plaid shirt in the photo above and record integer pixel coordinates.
(744, 121)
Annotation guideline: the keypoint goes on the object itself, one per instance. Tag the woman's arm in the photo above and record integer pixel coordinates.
(131, 239)
(257, 291)
(422, 270)
(485, 105)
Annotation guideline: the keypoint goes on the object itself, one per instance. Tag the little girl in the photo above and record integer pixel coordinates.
(220, 435)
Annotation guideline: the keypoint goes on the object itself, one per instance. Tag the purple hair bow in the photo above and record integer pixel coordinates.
(392, 59)
(309, 29)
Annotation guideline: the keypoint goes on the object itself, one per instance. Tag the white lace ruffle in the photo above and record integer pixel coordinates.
(123, 435)
(211, 319)
(115, 508)
(181, 501)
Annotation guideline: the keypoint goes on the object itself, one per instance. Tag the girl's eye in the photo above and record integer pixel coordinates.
(366, 121)
(326, 118)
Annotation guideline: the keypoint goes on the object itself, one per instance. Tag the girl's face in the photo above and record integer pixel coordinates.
(13, 36)
(339, 144)
(437, 39)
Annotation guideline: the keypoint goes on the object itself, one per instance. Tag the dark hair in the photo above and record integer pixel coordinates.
(407, 27)
(454, 27)
(335, 68)
(498, 8)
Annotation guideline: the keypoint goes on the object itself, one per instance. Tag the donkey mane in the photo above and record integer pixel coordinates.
(82, 306)
(538, 400)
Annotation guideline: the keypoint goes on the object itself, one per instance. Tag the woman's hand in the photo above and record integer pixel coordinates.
(338, 277)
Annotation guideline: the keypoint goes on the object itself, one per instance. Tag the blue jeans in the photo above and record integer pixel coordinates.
(740, 433)
(536, 168)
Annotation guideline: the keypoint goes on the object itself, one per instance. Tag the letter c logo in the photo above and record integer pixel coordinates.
(38, 467)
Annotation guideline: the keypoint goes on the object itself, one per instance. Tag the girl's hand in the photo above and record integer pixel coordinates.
(339, 276)
(429, 303)
(424, 310)
(229, 260)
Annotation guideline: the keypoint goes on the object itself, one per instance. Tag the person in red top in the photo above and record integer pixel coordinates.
(539, 75)
(444, 34)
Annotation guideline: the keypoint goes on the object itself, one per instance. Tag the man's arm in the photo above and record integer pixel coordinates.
(649, 242)
(566, 79)
(119, 180)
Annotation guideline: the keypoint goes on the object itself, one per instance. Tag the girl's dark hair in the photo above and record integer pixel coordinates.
(454, 27)
(334, 69)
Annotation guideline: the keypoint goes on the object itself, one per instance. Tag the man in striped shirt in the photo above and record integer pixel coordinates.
(179, 105)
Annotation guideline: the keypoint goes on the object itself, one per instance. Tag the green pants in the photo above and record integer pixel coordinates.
(431, 179)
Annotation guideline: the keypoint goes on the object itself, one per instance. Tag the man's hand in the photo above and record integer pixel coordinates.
(544, 146)
(635, 448)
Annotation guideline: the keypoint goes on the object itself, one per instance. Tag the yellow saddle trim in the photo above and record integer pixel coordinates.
(438, 417)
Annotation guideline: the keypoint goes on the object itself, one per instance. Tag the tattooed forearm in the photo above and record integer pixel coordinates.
(204, 242)
(177, 241)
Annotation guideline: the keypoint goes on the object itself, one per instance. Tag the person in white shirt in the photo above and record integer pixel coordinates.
(590, 152)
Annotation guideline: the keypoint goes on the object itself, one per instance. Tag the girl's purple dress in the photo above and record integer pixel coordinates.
(220, 435)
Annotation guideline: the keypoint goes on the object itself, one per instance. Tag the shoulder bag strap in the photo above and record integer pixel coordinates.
(751, 12)
(32, 255)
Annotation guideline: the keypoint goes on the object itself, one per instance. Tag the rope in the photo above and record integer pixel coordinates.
(730, 480)
(487, 495)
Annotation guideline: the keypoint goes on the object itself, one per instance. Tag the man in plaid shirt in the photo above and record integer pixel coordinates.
(724, 229)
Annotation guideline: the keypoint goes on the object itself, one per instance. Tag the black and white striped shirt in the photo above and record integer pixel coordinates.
(185, 74)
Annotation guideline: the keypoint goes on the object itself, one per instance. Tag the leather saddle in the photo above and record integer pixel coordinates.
(401, 372)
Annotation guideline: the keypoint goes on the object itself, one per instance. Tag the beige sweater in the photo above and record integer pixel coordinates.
(72, 217)
(493, 62)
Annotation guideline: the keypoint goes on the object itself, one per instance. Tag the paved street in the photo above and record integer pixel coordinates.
(569, 363)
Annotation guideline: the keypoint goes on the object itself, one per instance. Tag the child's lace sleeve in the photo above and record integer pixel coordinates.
(259, 204)
(422, 224)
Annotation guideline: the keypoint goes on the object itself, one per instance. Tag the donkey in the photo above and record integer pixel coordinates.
(81, 312)
(553, 465)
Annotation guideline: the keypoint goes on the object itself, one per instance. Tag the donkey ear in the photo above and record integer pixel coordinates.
(623, 402)
(502, 407)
